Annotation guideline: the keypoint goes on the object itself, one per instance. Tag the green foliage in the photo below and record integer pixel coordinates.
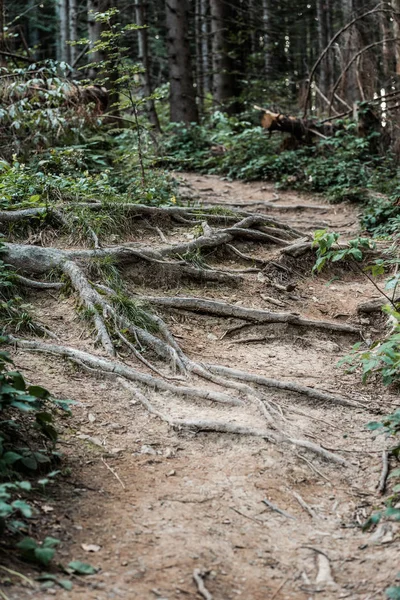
(39, 108)
(41, 553)
(27, 446)
(327, 250)
(390, 427)
(342, 166)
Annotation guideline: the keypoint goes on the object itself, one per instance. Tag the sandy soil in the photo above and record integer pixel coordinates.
(161, 503)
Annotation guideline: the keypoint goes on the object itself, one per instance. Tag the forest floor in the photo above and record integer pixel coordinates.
(156, 504)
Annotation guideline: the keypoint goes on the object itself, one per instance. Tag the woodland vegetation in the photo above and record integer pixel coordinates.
(100, 100)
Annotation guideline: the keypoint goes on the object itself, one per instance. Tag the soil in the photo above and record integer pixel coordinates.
(158, 503)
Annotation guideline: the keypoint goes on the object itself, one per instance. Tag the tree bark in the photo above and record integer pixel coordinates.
(183, 107)
(144, 57)
(62, 47)
(396, 31)
(224, 84)
(73, 30)
(94, 31)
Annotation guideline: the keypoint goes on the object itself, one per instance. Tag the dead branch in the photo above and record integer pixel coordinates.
(304, 505)
(320, 58)
(351, 62)
(277, 509)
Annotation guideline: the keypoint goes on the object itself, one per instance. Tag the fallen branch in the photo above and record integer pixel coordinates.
(304, 505)
(277, 509)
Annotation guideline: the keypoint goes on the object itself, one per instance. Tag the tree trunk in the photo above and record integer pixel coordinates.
(62, 47)
(73, 30)
(94, 31)
(199, 55)
(183, 106)
(325, 75)
(205, 50)
(3, 60)
(396, 31)
(224, 83)
(145, 59)
(266, 37)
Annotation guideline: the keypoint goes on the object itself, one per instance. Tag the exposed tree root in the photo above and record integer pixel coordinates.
(289, 386)
(128, 374)
(111, 321)
(230, 428)
(223, 309)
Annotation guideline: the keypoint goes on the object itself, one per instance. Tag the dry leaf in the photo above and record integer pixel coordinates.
(90, 547)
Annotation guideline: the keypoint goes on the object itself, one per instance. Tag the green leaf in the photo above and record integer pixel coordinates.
(29, 462)
(393, 592)
(38, 391)
(11, 457)
(81, 568)
(23, 507)
(50, 542)
(44, 555)
(27, 543)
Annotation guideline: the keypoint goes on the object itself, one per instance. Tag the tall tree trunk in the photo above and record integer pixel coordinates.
(323, 24)
(266, 37)
(94, 31)
(145, 59)
(396, 31)
(205, 49)
(224, 80)
(199, 53)
(62, 14)
(182, 98)
(73, 30)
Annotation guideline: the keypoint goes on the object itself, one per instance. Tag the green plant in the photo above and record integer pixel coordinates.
(34, 551)
(27, 446)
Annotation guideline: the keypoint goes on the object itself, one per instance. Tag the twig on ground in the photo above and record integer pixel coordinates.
(114, 472)
(246, 516)
(304, 505)
(280, 588)
(313, 468)
(277, 509)
(198, 575)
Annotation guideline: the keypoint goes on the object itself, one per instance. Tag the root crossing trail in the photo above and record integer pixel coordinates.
(244, 470)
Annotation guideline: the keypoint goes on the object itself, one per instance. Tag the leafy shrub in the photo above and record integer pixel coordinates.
(27, 441)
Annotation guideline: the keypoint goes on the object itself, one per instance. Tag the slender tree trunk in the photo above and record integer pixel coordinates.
(62, 47)
(94, 31)
(183, 107)
(266, 37)
(199, 56)
(396, 31)
(322, 15)
(144, 57)
(205, 53)
(73, 30)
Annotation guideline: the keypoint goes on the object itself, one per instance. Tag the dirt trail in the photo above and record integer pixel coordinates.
(161, 503)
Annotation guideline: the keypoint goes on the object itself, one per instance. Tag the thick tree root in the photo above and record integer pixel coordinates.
(289, 386)
(223, 309)
(127, 374)
(231, 428)
(105, 366)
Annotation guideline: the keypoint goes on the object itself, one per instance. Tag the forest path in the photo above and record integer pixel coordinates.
(161, 503)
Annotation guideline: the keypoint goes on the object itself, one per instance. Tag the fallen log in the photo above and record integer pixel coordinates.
(304, 130)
